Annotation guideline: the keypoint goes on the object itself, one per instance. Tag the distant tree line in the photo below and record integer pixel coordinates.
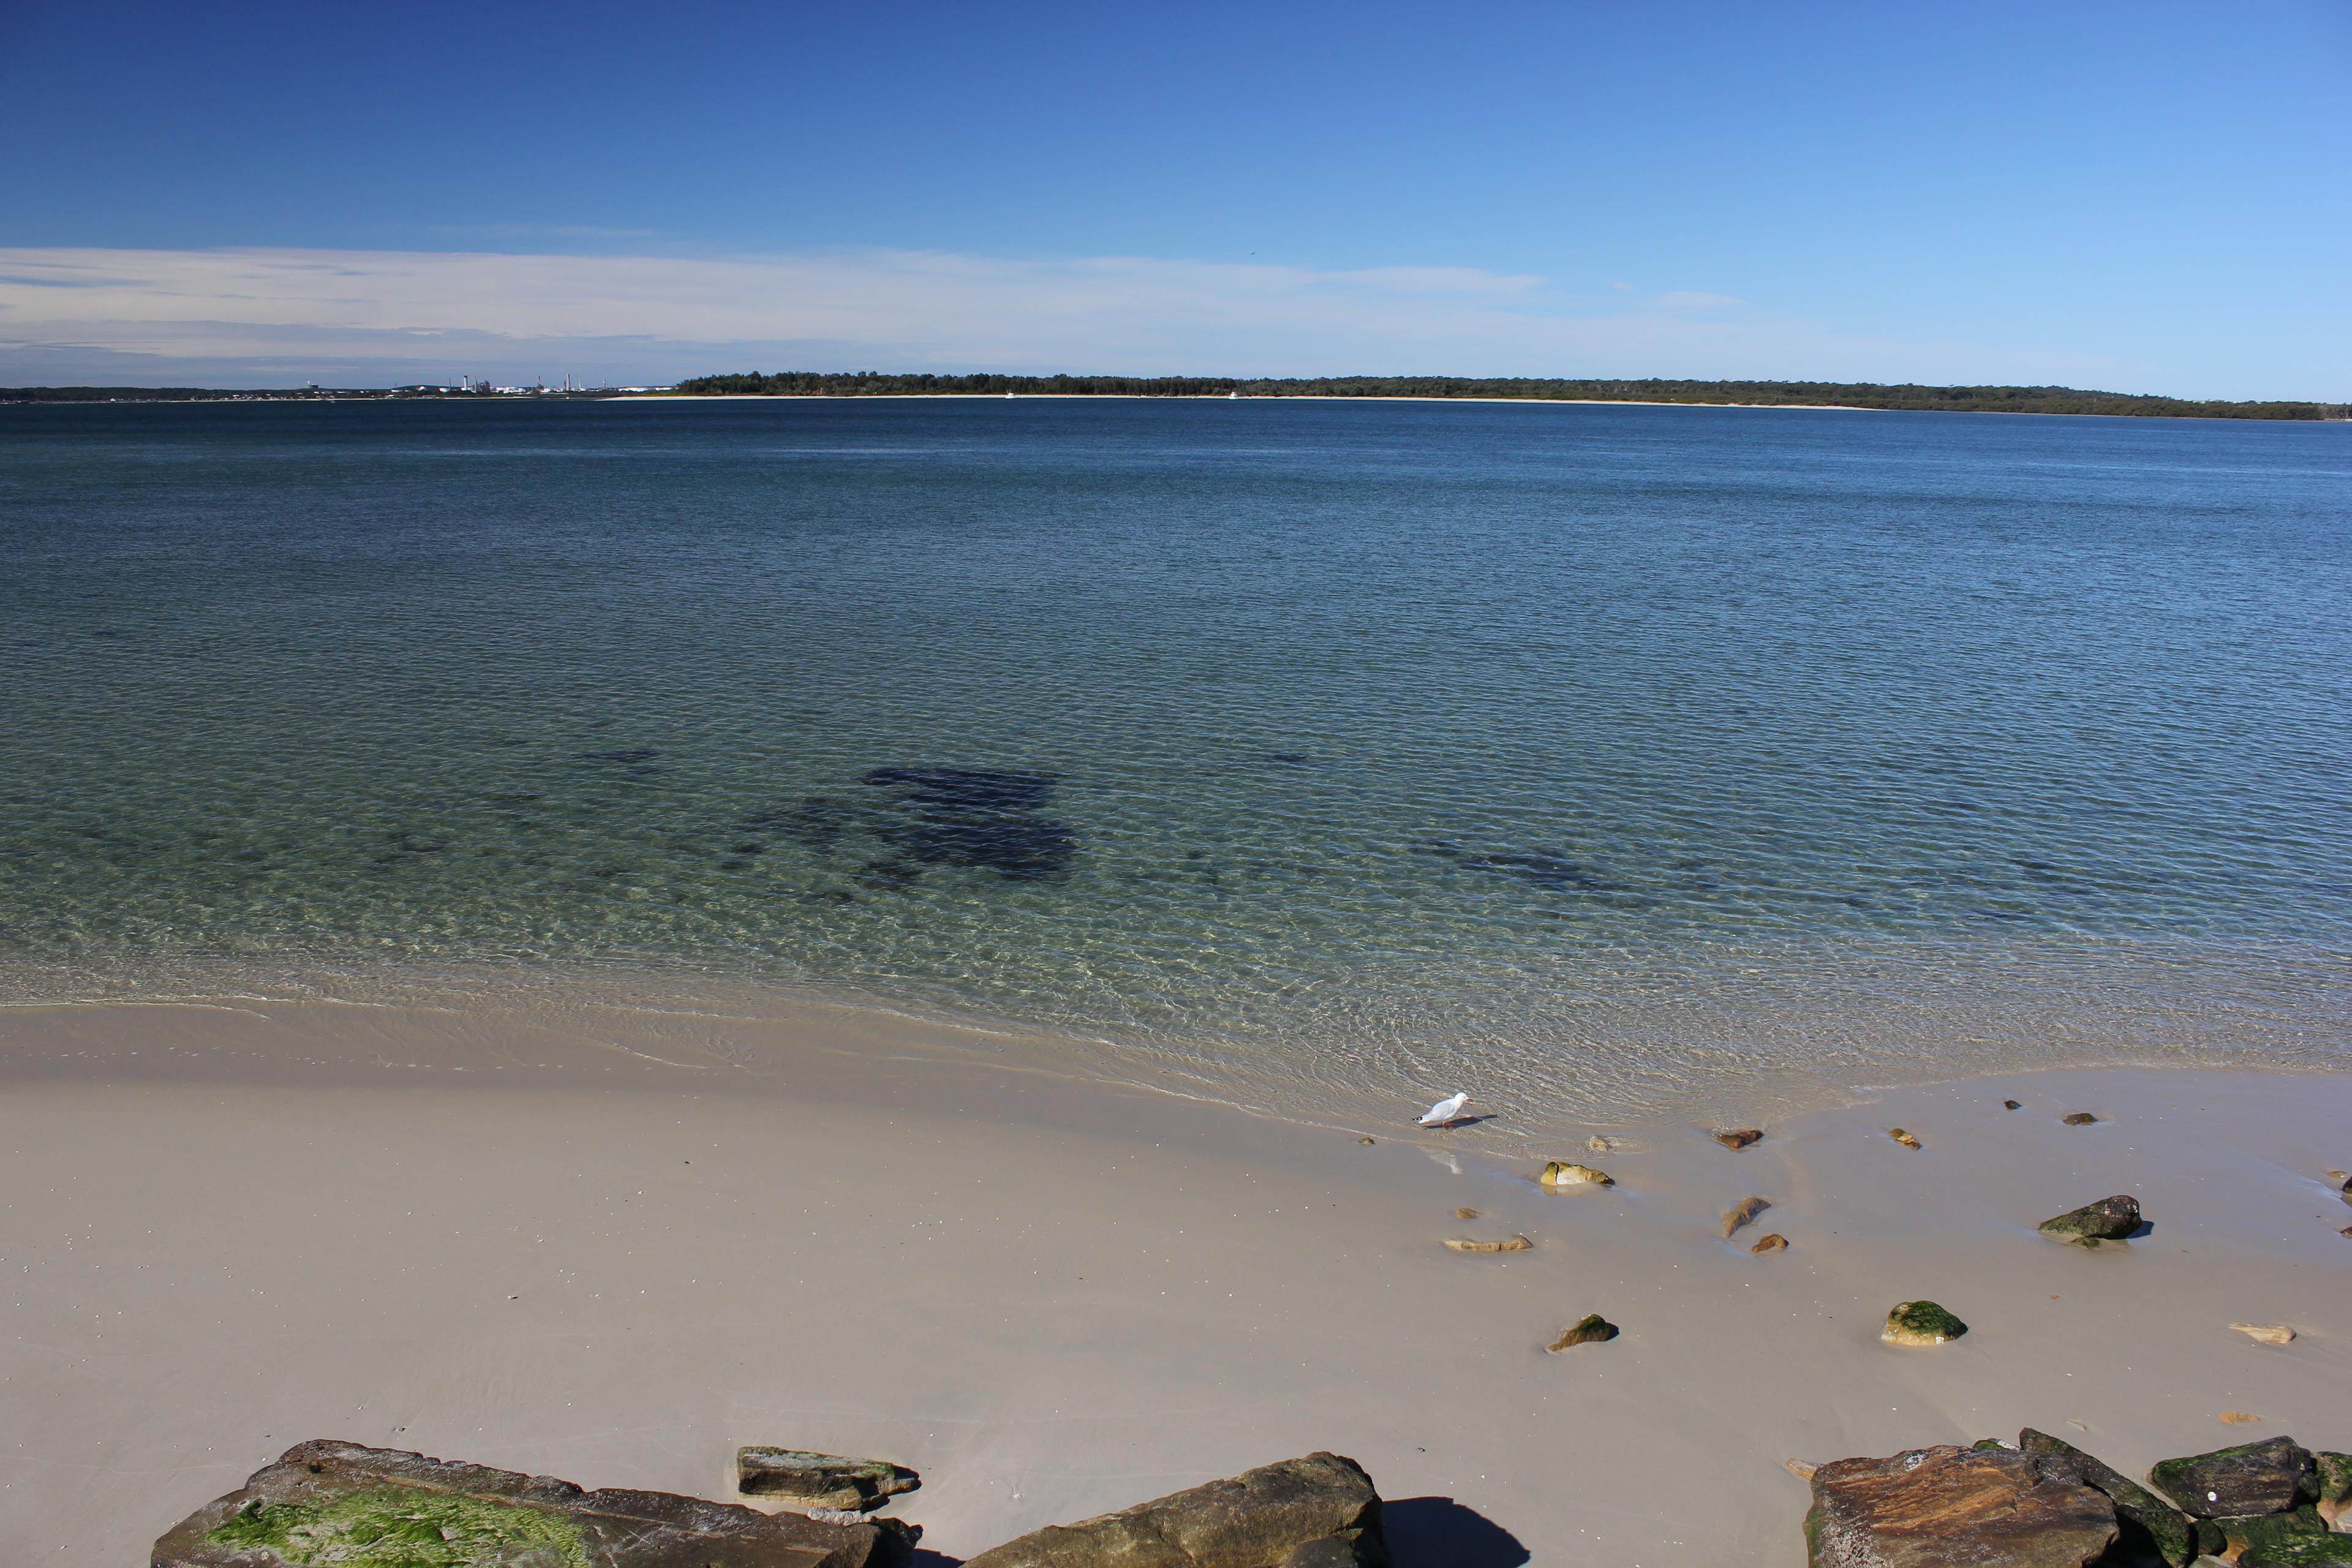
(1955, 399)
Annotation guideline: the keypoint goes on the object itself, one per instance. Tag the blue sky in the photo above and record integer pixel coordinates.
(2139, 196)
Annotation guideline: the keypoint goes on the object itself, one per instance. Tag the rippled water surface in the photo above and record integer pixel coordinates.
(1575, 753)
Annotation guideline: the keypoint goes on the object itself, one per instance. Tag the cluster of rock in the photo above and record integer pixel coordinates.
(2045, 1503)
(329, 1502)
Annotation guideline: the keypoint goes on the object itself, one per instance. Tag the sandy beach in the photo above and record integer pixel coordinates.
(578, 1249)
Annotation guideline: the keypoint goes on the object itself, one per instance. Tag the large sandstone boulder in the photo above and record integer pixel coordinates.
(2138, 1511)
(1319, 1511)
(1957, 1508)
(2254, 1478)
(329, 1502)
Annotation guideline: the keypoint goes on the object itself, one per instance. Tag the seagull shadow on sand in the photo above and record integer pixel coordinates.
(1456, 1124)
(1438, 1532)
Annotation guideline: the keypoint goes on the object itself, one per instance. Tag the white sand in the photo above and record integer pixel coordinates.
(1055, 1296)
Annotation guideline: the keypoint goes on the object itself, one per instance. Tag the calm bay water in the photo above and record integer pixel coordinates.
(1577, 753)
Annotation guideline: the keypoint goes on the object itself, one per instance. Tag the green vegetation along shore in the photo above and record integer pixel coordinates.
(1952, 399)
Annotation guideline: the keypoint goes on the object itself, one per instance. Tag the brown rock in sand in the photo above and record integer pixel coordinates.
(1775, 1242)
(1301, 1511)
(1738, 1137)
(1464, 1244)
(1466, 1214)
(1592, 1328)
(2078, 1118)
(1946, 1507)
(1742, 1213)
(2012, 1105)
(1903, 1137)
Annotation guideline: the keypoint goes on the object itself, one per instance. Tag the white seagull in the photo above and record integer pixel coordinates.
(1445, 1110)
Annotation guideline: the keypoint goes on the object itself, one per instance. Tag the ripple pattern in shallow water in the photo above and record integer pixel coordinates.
(1575, 750)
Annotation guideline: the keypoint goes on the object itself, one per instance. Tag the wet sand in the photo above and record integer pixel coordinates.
(610, 1254)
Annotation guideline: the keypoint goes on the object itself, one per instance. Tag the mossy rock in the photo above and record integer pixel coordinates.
(2269, 1477)
(328, 1504)
(2335, 1475)
(2267, 1529)
(1566, 1174)
(2168, 1533)
(2299, 1552)
(1921, 1323)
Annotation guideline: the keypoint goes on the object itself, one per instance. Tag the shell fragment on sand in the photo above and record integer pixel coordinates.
(819, 1480)
(2266, 1333)
(2240, 1417)
(1514, 1243)
(1738, 1137)
(1921, 1323)
(1775, 1242)
(1466, 1214)
(1566, 1174)
(1592, 1328)
(1742, 1213)
(1903, 1137)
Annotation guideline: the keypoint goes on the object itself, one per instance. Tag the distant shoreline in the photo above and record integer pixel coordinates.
(810, 385)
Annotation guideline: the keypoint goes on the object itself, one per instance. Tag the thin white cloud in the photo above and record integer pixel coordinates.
(255, 315)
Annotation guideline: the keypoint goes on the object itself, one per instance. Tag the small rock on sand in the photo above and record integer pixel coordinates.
(2012, 1105)
(2109, 1219)
(1775, 1242)
(1561, 1174)
(2240, 1417)
(1921, 1323)
(2079, 1118)
(1738, 1137)
(1744, 1212)
(1466, 1214)
(1363, 1139)
(1597, 1144)
(1903, 1137)
(1514, 1243)
(1591, 1330)
(2265, 1333)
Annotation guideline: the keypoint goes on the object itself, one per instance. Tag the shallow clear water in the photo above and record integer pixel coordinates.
(1575, 753)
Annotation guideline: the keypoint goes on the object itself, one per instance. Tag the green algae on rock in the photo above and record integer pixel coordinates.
(1563, 1173)
(400, 1527)
(1920, 1323)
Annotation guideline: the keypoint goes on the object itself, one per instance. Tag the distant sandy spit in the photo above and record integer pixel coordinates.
(1205, 397)
(232, 1225)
